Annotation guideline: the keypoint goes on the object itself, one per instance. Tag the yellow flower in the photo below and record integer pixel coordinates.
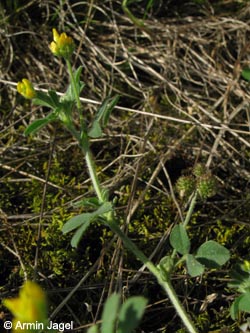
(62, 45)
(29, 307)
(26, 89)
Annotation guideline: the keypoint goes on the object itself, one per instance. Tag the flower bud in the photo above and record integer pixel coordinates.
(26, 89)
(62, 45)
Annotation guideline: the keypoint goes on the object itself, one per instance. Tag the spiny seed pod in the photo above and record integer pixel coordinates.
(206, 186)
(199, 170)
(185, 186)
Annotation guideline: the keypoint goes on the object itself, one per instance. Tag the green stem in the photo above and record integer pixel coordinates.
(165, 283)
(83, 139)
(73, 81)
(135, 20)
(77, 99)
(188, 217)
(93, 176)
(190, 210)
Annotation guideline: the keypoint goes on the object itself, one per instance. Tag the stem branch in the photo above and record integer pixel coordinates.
(165, 283)
(83, 139)
(110, 220)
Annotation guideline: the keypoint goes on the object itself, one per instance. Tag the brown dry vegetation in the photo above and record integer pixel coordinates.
(183, 101)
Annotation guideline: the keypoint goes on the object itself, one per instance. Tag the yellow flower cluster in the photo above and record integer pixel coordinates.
(29, 307)
(62, 45)
(26, 89)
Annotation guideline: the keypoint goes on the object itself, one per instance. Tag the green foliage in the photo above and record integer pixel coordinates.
(82, 222)
(240, 275)
(109, 314)
(246, 73)
(179, 239)
(130, 314)
(166, 266)
(69, 96)
(62, 109)
(210, 254)
(240, 304)
(102, 116)
(117, 318)
(194, 267)
(38, 124)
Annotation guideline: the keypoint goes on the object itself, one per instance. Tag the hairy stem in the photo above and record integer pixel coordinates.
(112, 223)
(190, 210)
(74, 85)
(165, 283)
(84, 140)
(93, 176)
